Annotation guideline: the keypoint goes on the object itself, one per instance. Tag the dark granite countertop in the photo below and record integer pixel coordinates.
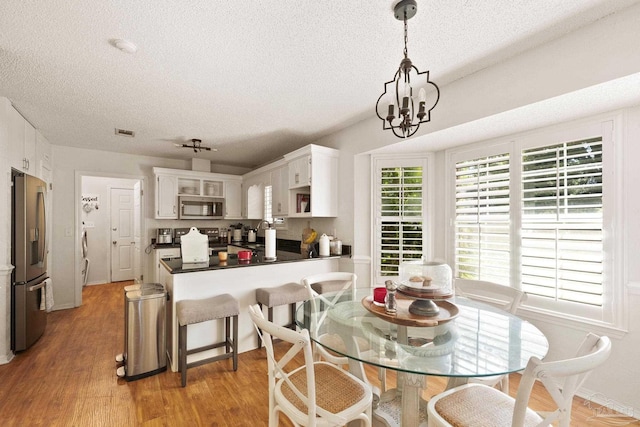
(177, 245)
(175, 265)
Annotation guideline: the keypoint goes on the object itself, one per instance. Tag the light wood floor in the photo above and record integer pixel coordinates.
(68, 379)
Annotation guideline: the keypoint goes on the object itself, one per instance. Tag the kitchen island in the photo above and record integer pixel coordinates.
(239, 279)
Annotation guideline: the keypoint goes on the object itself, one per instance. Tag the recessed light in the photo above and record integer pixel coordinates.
(125, 45)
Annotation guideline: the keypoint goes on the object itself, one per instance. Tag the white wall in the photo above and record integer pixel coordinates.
(97, 223)
(535, 89)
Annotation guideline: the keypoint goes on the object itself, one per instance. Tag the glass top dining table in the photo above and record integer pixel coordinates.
(468, 339)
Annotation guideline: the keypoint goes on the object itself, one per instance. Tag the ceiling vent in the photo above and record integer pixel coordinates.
(124, 132)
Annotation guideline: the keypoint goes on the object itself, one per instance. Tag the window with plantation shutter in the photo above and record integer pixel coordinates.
(268, 199)
(537, 213)
(399, 210)
(562, 249)
(482, 239)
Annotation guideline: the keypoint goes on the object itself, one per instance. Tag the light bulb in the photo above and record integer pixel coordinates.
(422, 100)
(422, 95)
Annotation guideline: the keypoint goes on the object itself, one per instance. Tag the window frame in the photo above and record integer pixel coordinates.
(425, 160)
(612, 314)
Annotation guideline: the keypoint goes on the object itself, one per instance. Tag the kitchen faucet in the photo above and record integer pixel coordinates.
(263, 222)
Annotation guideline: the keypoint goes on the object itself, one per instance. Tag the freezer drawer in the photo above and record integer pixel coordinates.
(28, 321)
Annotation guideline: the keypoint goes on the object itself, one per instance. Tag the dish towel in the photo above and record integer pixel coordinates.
(48, 288)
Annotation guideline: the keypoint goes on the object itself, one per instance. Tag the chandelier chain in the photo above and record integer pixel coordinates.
(406, 38)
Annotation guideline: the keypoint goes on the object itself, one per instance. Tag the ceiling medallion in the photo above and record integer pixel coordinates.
(397, 101)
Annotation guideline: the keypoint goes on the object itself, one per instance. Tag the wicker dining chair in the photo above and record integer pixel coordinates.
(478, 405)
(317, 393)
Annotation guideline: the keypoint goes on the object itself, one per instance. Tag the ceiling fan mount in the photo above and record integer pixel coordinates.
(196, 146)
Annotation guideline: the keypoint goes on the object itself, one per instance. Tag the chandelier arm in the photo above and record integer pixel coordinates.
(377, 106)
(395, 77)
(393, 129)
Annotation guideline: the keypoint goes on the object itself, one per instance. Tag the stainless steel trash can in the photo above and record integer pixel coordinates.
(145, 350)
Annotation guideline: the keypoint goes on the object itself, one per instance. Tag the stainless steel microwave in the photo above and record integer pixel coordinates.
(193, 207)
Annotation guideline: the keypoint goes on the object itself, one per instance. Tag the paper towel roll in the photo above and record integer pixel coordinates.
(324, 245)
(270, 243)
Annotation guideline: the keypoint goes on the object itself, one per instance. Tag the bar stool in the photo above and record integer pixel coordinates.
(289, 293)
(190, 312)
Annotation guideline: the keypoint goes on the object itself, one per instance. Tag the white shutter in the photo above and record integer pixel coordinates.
(482, 238)
(562, 220)
(268, 199)
(399, 211)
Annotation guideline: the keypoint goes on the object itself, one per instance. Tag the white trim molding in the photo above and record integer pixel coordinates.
(633, 288)
(6, 355)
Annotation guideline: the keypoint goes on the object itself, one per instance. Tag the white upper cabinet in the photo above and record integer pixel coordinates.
(29, 151)
(44, 164)
(300, 172)
(304, 184)
(313, 182)
(22, 142)
(172, 183)
(280, 191)
(233, 199)
(15, 136)
(254, 185)
(29, 148)
(166, 197)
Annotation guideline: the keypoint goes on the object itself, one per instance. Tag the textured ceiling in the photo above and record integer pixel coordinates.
(254, 79)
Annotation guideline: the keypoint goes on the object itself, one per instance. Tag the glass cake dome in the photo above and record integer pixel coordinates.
(425, 276)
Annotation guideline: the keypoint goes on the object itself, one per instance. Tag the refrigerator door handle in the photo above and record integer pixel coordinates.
(41, 224)
(36, 287)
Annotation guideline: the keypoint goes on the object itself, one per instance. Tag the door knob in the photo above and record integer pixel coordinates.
(115, 228)
(115, 242)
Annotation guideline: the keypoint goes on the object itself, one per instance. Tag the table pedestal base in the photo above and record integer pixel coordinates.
(403, 408)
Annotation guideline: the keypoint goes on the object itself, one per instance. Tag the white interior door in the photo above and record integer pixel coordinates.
(122, 234)
(137, 256)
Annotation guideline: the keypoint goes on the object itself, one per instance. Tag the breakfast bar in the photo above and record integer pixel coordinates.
(238, 278)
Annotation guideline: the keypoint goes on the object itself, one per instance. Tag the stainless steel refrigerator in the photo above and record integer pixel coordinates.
(29, 257)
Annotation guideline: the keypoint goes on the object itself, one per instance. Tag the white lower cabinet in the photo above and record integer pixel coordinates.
(159, 254)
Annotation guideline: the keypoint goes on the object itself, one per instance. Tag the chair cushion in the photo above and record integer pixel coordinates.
(329, 379)
(481, 406)
(328, 286)
(200, 310)
(288, 293)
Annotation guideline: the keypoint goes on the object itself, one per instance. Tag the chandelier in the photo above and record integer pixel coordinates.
(196, 146)
(398, 101)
